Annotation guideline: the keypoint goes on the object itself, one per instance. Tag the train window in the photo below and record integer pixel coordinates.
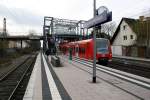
(82, 50)
(77, 49)
(102, 45)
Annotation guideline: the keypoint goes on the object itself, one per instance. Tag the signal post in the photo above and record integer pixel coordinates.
(101, 16)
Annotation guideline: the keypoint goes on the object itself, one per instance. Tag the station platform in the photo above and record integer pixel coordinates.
(73, 81)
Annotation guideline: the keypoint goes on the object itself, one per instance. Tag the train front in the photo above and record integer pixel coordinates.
(104, 53)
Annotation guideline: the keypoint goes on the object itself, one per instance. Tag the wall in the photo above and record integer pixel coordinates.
(12, 44)
(117, 50)
(127, 32)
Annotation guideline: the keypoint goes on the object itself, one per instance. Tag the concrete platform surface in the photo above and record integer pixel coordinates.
(73, 81)
(77, 79)
(44, 84)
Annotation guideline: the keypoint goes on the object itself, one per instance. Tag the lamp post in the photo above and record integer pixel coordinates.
(94, 39)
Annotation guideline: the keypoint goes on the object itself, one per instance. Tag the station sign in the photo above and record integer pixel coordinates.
(101, 9)
(103, 16)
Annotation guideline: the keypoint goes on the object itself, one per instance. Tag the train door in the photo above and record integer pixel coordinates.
(77, 50)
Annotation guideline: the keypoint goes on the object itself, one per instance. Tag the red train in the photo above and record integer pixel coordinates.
(84, 49)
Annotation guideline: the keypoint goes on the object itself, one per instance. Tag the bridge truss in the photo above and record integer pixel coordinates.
(62, 29)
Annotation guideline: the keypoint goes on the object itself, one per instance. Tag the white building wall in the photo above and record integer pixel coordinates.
(119, 40)
(24, 44)
(125, 32)
(117, 50)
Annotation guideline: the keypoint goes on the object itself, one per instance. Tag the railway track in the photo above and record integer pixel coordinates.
(18, 62)
(137, 61)
(140, 69)
(13, 86)
(123, 75)
(133, 67)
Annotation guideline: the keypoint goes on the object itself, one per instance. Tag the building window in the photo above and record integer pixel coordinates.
(131, 36)
(124, 37)
(124, 27)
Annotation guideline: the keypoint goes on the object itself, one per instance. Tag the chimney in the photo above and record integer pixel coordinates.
(148, 18)
(141, 18)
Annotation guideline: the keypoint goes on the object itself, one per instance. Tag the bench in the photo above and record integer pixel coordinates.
(55, 61)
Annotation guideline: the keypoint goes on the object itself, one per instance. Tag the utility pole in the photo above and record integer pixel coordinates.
(4, 27)
(94, 39)
(44, 37)
(147, 51)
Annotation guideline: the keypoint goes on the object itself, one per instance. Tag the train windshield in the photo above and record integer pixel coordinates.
(102, 45)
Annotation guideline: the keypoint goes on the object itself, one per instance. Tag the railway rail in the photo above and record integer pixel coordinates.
(134, 67)
(144, 82)
(140, 68)
(132, 59)
(5, 72)
(12, 87)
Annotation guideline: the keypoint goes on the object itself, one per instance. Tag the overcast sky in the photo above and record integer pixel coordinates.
(25, 15)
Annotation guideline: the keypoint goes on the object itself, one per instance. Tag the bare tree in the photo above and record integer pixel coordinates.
(3, 45)
(32, 32)
(109, 28)
(35, 45)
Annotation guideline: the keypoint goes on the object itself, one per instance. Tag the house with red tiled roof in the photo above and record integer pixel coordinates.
(132, 37)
